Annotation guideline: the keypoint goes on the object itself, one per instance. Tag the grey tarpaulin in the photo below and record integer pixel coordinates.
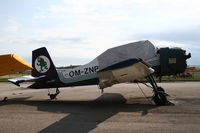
(144, 50)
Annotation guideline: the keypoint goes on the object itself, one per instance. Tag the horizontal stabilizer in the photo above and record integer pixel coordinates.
(19, 80)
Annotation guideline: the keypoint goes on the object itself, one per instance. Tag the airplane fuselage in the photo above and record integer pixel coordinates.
(87, 74)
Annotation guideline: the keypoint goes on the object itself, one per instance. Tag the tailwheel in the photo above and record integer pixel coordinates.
(53, 96)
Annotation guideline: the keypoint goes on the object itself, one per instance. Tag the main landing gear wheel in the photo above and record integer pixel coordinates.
(53, 96)
(159, 97)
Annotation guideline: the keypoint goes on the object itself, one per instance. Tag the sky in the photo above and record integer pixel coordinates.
(76, 31)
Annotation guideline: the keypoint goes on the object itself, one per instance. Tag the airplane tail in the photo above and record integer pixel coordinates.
(42, 64)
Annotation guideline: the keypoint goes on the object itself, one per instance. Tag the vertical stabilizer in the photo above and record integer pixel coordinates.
(42, 64)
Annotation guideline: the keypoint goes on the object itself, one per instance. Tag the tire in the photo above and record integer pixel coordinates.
(160, 99)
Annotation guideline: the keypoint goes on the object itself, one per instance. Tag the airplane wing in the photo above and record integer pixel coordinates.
(19, 80)
(125, 71)
(12, 63)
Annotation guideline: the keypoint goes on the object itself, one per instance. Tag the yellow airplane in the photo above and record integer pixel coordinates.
(12, 63)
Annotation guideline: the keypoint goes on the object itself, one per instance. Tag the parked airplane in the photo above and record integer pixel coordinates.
(116, 65)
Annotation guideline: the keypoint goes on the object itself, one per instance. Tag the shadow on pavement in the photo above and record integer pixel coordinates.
(84, 116)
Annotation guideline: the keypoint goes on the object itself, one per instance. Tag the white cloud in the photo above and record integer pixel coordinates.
(13, 26)
(85, 28)
(132, 15)
(168, 44)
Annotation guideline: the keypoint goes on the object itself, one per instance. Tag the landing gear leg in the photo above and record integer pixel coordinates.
(102, 90)
(53, 96)
(159, 97)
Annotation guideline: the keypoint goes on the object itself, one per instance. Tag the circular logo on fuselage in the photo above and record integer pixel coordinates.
(42, 64)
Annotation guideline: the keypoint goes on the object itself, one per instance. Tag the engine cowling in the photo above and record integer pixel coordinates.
(172, 61)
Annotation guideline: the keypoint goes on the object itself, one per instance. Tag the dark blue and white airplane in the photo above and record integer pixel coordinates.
(126, 63)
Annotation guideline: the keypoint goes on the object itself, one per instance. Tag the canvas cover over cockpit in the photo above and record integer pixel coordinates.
(144, 50)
